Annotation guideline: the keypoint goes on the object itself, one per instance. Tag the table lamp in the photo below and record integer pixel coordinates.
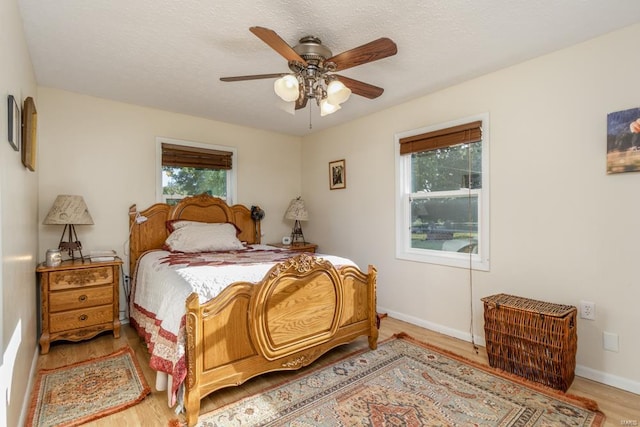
(70, 211)
(297, 212)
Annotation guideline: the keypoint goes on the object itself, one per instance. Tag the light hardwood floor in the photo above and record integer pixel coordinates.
(620, 407)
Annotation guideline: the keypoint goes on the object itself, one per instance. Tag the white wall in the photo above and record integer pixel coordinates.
(106, 152)
(18, 231)
(562, 230)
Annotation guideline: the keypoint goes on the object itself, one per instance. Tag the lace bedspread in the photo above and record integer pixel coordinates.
(163, 281)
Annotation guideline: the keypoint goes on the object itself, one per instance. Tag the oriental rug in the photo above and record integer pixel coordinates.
(406, 383)
(82, 392)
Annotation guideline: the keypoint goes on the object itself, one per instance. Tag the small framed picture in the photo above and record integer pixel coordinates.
(14, 126)
(337, 175)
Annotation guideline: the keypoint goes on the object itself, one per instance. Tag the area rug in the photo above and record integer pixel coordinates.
(406, 383)
(82, 392)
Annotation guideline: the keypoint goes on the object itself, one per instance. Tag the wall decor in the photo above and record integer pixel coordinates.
(623, 141)
(337, 175)
(29, 134)
(14, 123)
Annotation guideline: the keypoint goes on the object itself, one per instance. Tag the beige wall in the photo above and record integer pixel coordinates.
(18, 220)
(106, 152)
(561, 229)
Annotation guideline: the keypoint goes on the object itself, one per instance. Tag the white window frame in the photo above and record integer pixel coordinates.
(231, 173)
(476, 261)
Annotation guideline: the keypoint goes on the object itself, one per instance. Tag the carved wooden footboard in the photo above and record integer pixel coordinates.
(300, 310)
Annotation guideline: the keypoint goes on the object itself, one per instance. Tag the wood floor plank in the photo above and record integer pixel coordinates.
(620, 407)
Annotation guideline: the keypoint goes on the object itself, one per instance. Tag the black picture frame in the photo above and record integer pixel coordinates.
(14, 123)
(337, 175)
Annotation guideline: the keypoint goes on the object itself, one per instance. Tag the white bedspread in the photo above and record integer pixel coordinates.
(161, 288)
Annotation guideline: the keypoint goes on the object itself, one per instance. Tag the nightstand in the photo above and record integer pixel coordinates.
(78, 300)
(298, 247)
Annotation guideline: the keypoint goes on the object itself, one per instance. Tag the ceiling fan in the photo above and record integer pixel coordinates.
(313, 68)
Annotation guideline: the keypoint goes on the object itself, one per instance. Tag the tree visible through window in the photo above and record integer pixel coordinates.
(189, 170)
(181, 182)
(443, 202)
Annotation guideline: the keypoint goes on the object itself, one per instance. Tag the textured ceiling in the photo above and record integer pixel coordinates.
(170, 54)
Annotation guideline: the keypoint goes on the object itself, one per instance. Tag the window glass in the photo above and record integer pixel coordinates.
(180, 182)
(189, 168)
(442, 212)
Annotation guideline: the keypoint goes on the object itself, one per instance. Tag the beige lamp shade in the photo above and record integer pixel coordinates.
(297, 210)
(68, 210)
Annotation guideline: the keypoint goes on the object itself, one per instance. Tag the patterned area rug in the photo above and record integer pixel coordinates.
(407, 383)
(78, 393)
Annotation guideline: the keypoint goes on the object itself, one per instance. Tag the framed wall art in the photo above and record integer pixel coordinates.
(337, 175)
(29, 135)
(14, 125)
(623, 141)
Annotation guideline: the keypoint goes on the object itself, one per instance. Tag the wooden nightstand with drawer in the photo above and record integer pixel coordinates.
(78, 300)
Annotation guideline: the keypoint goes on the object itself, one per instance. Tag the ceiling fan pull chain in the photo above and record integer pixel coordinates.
(310, 126)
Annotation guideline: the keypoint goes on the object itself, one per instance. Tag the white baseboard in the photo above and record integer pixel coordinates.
(26, 401)
(608, 379)
(455, 333)
(581, 371)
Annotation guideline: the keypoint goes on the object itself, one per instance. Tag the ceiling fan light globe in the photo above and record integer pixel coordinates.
(337, 92)
(287, 88)
(327, 108)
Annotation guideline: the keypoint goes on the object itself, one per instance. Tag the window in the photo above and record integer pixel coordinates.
(442, 211)
(190, 168)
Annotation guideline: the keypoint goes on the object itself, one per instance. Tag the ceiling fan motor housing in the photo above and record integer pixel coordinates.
(311, 49)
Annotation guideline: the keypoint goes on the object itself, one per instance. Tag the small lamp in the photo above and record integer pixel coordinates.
(70, 211)
(297, 212)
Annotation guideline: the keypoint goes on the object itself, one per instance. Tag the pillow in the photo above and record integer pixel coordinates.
(174, 224)
(203, 237)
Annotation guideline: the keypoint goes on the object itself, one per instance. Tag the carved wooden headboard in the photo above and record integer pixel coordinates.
(152, 233)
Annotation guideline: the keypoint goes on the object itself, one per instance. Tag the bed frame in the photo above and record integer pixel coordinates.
(301, 309)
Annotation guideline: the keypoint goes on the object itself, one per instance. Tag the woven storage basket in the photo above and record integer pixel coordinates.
(533, 339)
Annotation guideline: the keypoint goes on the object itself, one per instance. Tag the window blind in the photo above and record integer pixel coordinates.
(174, 155)
(466, 133)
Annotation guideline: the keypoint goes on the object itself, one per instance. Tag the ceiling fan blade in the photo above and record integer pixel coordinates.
(360, 88)
(372, 51)
(252, 77)
(276, 43)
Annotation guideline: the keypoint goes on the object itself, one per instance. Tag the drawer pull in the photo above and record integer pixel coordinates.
(82, 298)
(83, 317)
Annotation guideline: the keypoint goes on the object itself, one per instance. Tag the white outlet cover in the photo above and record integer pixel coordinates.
(610, 341)
(587, 310)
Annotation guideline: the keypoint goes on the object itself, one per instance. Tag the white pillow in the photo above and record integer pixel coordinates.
(203, 238)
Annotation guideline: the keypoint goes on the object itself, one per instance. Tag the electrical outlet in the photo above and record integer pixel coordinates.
(588, 310)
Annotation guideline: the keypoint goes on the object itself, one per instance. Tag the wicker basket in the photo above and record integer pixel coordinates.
(533, 339)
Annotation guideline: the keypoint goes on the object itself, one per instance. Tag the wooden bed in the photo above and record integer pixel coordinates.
(302, 308)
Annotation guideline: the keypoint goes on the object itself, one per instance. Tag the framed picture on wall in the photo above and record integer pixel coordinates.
(14, 125)
(337, 175)
(29, 135)
(623, 141)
